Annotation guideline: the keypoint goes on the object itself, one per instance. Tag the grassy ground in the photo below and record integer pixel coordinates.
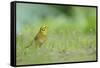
(65, 43)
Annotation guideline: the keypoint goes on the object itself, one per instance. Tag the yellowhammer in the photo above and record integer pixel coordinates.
(41, 36)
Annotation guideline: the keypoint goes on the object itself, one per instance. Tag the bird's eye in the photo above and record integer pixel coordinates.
(43, 29)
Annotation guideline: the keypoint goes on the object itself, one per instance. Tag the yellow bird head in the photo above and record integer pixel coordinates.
(44, 29)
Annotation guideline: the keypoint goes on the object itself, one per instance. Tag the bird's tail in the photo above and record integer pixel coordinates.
(31, 43)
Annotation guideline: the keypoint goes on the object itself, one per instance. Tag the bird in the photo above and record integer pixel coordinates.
(41, 36)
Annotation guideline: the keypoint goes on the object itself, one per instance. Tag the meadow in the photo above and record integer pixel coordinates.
(69, 39)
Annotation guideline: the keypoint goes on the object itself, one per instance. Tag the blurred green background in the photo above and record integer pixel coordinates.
(71, 33)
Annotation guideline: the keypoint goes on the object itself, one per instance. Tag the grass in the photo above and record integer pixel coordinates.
(65, 43)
